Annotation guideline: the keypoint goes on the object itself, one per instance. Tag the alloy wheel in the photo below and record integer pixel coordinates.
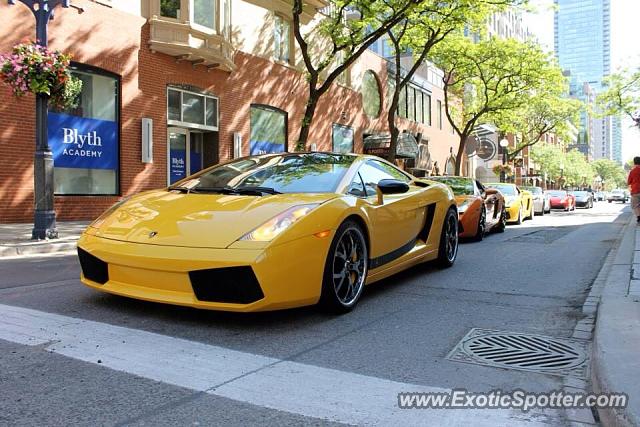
(451, 238)
(349, 266)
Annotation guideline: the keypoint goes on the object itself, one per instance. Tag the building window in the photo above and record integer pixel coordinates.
(191, 109)
(282, 39)
(204, 13)
(342, 138)
(371, 96)
(268, 130)
(170, 9)
(419, 107)
(411, 104)
(439, 104)
(427, 109)
(85, 139)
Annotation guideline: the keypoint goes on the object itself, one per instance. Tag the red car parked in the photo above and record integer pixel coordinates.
(560, 199)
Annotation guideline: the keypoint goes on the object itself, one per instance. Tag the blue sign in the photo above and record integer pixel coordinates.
(79, 142)
(264, 147)
(177, 165)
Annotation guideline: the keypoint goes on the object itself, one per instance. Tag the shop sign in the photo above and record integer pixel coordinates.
(177, 165)
(79, 142)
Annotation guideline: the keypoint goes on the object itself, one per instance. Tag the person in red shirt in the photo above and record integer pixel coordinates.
(634, 187)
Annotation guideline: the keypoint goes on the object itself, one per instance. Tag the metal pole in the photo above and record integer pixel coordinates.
(44, 217)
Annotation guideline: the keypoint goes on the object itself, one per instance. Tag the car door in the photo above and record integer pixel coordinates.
(490, 204)
(396, 223)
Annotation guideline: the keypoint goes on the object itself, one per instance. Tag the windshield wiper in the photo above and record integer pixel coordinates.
(253, 191)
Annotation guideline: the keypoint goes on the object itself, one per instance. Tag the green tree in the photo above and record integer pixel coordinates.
(548, 159)
(549, 110)
(577, 171)
(611, 172)
(488, 79)
(427, 26)
(342, 39)
(622, 95)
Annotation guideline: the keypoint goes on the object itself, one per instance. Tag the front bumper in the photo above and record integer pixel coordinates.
(162, 273)
(512, 212)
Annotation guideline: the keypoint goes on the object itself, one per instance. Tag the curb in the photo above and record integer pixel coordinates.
(37, 248)
(616, 343)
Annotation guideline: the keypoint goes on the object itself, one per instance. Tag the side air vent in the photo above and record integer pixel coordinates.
(93, 268)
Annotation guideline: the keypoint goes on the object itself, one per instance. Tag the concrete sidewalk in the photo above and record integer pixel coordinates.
(616, 348)
(15, 239)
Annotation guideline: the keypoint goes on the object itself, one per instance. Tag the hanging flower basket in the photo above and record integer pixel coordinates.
(498, 169)
(34, 68)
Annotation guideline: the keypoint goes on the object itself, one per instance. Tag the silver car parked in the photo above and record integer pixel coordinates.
(541, 202)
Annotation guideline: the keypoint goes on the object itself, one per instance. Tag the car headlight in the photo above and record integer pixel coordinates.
(464, 206)
(98, 221)
(276, 225)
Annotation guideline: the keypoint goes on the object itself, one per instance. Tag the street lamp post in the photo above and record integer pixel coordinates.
(504, 143)
(44, 218)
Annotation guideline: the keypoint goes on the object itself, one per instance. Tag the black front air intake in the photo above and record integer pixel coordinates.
(93, 268)
(237, 285)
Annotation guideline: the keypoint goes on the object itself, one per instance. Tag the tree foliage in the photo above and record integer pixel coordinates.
(612, 174)
(548, 110)
(622, 95)
(346, 39)
(491, 79)
(423, 29)
(569, 169)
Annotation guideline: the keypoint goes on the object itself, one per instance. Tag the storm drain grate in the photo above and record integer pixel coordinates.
(525, 352)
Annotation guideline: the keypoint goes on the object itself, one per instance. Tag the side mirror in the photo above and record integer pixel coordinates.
(390, 186)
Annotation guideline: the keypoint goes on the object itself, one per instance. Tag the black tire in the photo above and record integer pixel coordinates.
(542, 211)
(349, 254)
(502, 224)
(482, 225)
(448, 248)
(609, 201)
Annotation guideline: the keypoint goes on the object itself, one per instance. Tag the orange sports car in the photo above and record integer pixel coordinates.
(480, 209)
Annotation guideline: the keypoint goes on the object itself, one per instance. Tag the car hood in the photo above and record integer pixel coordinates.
(171, 218)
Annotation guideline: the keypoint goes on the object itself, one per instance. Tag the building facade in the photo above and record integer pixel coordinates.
(171, 87)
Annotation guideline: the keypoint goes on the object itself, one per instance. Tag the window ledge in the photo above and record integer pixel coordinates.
(187, 42)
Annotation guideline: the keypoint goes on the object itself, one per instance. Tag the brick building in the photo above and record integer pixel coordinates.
(209, 80)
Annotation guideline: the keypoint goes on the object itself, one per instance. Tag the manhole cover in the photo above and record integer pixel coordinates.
(525, 352)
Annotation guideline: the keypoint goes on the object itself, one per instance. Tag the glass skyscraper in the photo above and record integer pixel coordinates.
(583, 48)
(582, 39)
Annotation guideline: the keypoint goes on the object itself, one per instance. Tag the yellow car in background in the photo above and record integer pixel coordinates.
(518, 203)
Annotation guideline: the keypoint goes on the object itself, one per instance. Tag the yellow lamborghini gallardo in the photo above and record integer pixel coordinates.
(271, 232)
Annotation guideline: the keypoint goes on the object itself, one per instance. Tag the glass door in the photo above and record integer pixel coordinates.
(177, 160)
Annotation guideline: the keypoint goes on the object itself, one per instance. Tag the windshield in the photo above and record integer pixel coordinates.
(285, 173)
(533, 190)
(460, 186)
(617, 192)
(506, 189)
(580, 193)
(557, 193)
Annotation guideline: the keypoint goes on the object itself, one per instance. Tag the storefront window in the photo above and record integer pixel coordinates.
(268, 130)
(170, 8)
(204, 13)
(85, 139)
(342, 138)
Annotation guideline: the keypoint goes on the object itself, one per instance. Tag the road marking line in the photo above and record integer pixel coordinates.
(259, 380)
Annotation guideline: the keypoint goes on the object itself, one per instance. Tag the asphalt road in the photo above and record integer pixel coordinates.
(109, 360)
